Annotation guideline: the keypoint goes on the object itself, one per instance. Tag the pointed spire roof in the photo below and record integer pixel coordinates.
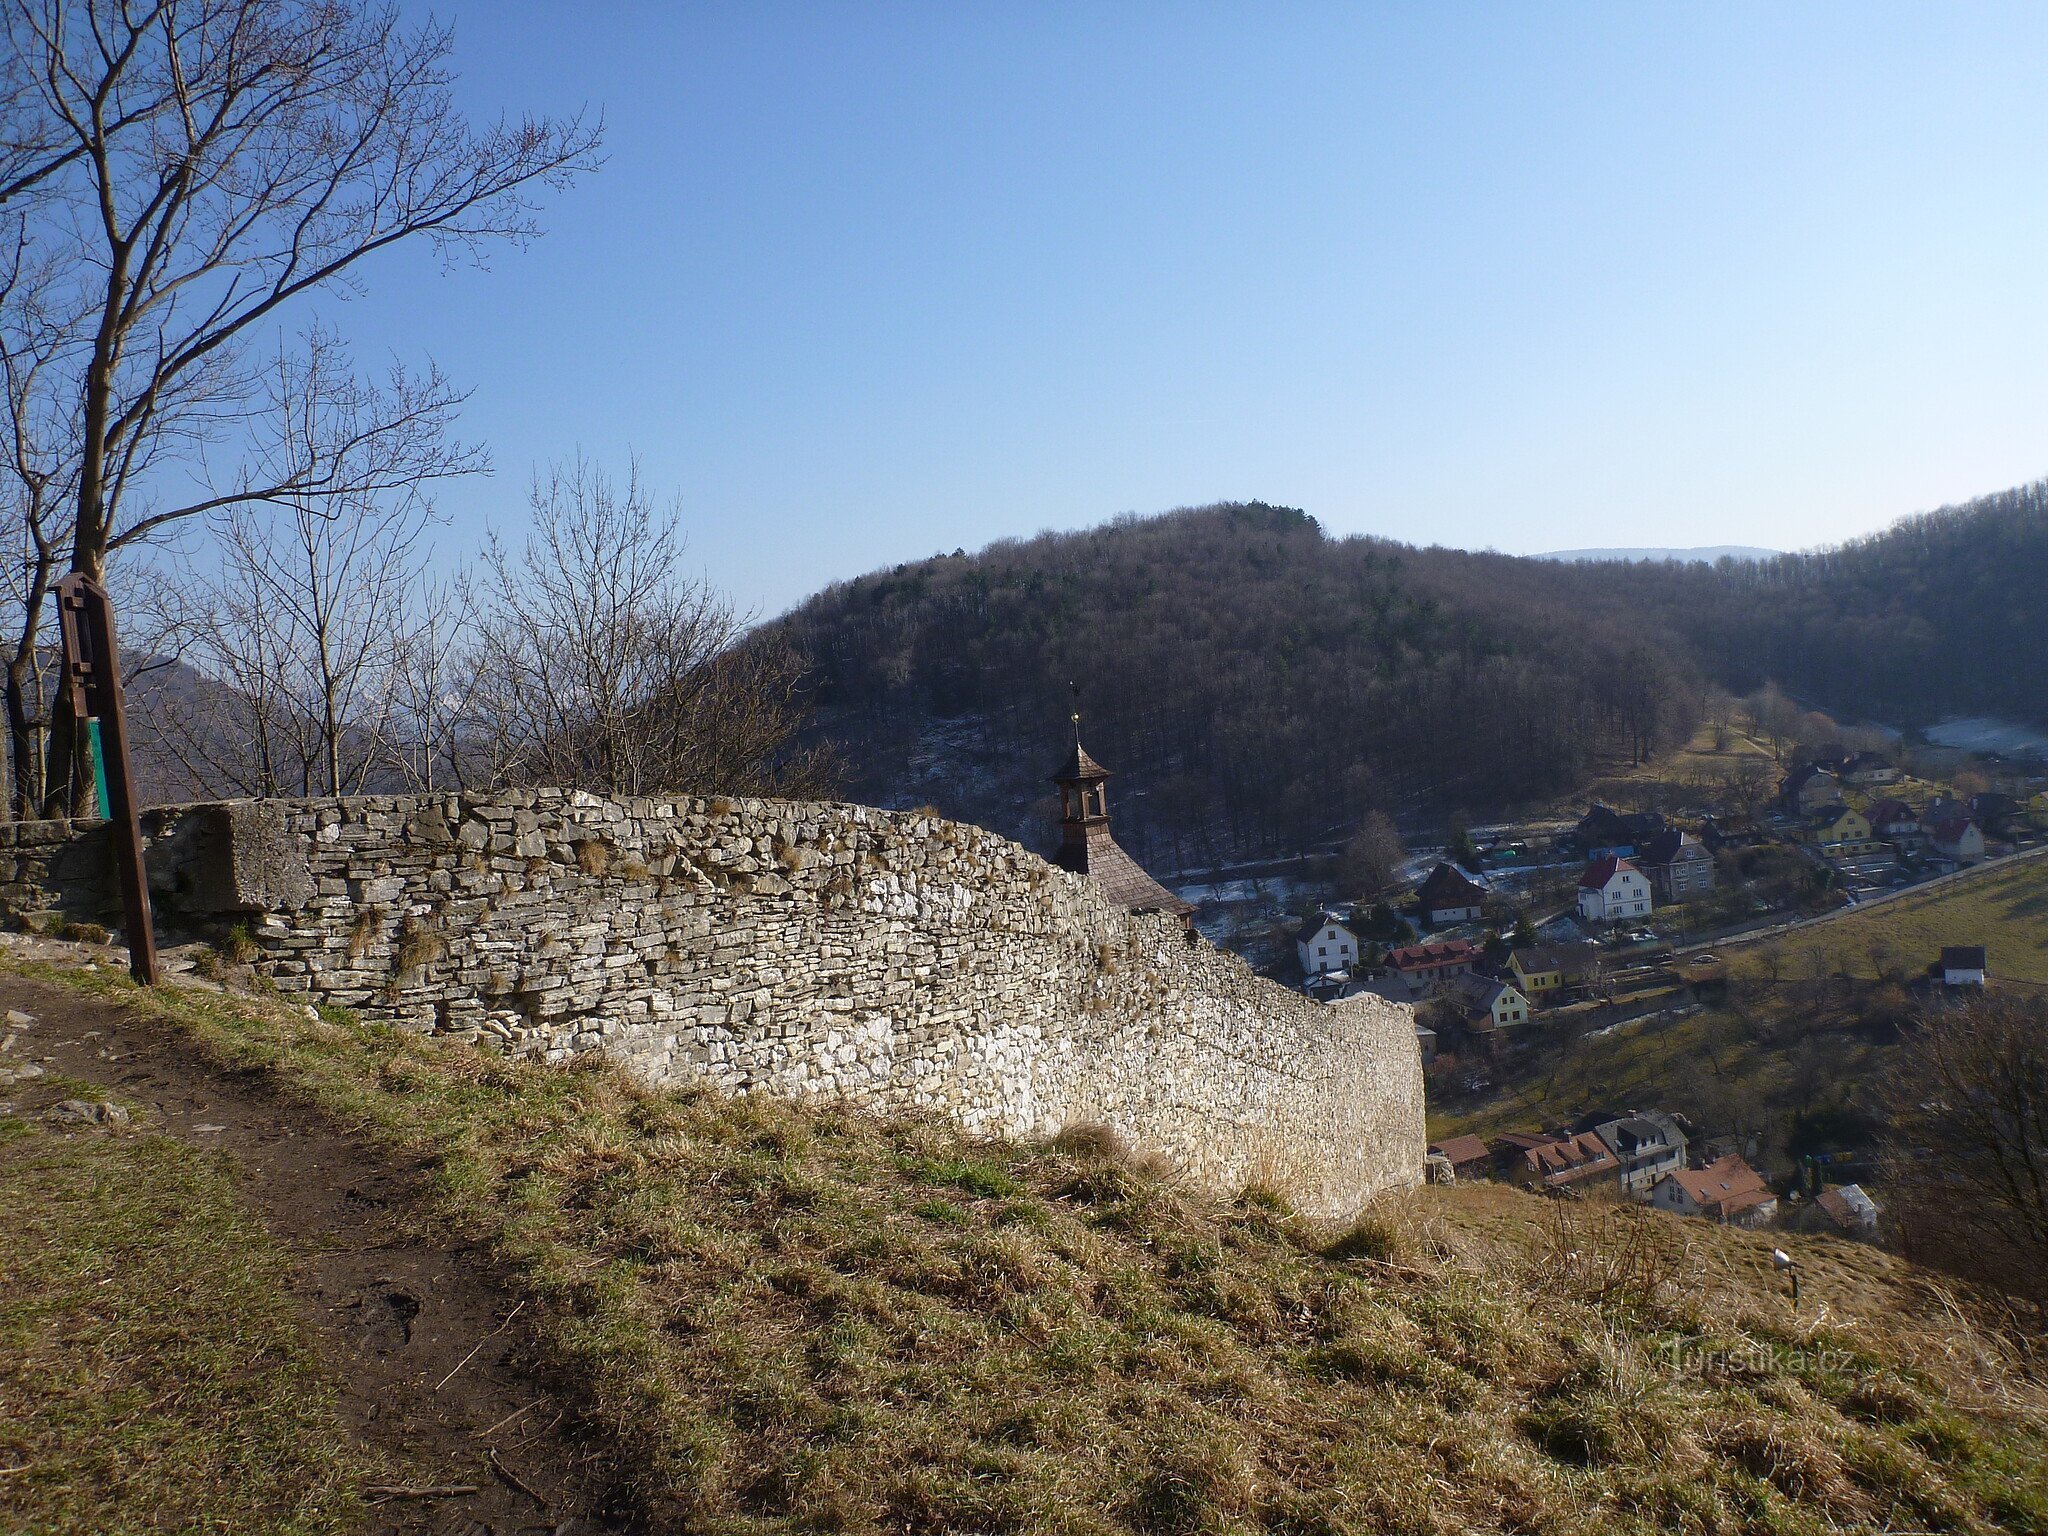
(1079, 765)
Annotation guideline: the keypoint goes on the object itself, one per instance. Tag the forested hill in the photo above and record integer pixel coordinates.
(1942, 614)
(1258, 686)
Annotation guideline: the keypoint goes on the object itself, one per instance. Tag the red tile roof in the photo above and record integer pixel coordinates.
(1423, 957)
(1725, 1187)
(1570, 1160)
(1600, 871)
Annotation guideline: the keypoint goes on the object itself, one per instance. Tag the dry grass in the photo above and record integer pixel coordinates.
(2004, 909)
(786, 1319)
(153, 1376)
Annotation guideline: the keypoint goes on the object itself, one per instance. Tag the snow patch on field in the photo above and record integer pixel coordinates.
(1982, 733)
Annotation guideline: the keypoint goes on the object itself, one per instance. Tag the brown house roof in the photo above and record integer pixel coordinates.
(1414, 957)
(1447, 887)
(1463, 1149)
(1600, 871)
(1725, 1187)
(1569, 1160)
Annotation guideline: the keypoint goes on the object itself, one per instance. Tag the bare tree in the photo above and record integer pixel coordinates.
(1372, 858)
(305, 626)
(434, 689)
(190, 168)
(1968, 1157)
(37, 495)
(604, 666)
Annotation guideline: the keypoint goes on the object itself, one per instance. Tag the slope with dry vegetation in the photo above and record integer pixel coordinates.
(782, 1318)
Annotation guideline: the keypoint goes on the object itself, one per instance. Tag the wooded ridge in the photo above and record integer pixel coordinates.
(1261, 686)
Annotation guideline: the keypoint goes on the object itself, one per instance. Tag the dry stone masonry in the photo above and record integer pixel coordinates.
(897, 961)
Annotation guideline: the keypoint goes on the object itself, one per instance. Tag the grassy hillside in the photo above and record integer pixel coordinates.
(783, 1319)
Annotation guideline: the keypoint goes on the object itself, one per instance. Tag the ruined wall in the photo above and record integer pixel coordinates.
(894, 960)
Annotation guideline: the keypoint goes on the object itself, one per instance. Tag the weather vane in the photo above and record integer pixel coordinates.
(1075, 715)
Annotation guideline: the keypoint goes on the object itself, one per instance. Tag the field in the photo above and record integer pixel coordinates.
(2005, 910)
(1680, 775)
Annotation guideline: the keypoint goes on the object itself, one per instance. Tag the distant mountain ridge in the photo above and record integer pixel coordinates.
(1705, 554)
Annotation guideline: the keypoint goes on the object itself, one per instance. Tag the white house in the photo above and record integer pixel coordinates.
(1964, 965)
(1450, 896)
(1613, 889)
(1958, 838)
(1728, 1190)
(1325, 944)
(1647, 1146)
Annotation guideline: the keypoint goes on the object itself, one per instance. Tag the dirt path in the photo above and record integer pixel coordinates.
(423, 1345)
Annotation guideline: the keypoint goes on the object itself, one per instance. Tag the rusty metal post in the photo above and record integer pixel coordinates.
(92, 676)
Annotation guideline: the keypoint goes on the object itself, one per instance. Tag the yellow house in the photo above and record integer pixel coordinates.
(2037, 809)
(1537, 970)
(1839, 830)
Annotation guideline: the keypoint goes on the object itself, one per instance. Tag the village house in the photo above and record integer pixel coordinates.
(1603, 832)
(1848, 1209)
(1537, 970)
(1490, 1007)
(1866, 770)
(2037, 810)
(1448, 896)
(1840, 833)
(1646, 1146)
(1727, 1190)
(1963, 965)
(1807, 788)
(1678, 865)
(1893, 820)
(1566, 1162)
(1469, 1156)
(1613, 890)
(1958, 838)
(1834, 757)
(1325, 942)
(1425, 1042)
(1994, 809)
(1943, 807)
(1425, 963)
(1731, 832)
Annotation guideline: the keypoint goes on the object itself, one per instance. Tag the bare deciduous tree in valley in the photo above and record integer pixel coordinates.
(1372, 858)
(604, 665)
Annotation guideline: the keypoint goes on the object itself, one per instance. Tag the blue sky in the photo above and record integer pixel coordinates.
(865, 282)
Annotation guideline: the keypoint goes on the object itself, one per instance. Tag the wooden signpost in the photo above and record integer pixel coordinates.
(92, 676)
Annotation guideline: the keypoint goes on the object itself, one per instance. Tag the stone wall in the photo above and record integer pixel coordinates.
(902, 962)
